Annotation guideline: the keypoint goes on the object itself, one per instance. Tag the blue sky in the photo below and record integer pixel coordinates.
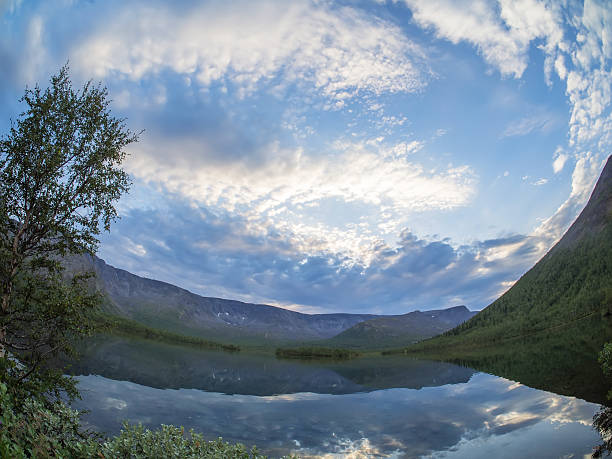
(354, 156)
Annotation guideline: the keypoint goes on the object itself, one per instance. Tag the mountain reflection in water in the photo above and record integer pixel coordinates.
(383, 407)
(179, 367)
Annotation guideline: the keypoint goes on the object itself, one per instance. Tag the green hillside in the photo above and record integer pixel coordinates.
(572, 283)
(402, 330)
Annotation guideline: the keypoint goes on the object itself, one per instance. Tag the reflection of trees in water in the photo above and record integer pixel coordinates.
(166, 366)
(563, 361)
(602, 421)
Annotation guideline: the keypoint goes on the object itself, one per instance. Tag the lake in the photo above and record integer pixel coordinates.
(367, 407)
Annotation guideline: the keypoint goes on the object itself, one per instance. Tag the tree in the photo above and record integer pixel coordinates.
(602, 421)
(60, 179)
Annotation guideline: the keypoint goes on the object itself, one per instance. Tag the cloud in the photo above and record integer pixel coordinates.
(584, 177)
(529, 124)
(588, 82)
(227, 256)
(300, 193)
(284, 213)
(559, 160)
(338, 52)
(502, 33)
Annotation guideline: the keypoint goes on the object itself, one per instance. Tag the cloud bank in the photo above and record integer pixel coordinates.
(291, 153)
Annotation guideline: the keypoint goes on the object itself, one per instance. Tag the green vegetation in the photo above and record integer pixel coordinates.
(117, 325)
(403, 330)
(316, 353)
(170, 442)
(562, 360)
(547, 330)
(570, 284)
(602, 421)
(39, 428)
(59, 181)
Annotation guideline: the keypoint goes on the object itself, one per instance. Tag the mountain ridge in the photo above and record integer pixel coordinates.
(573, 281)
(159, 304)
(163, 305)
(403, 329)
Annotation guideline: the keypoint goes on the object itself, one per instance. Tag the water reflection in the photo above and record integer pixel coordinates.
(486, 415)
(562, 360)
(176, 367)
(381, 407)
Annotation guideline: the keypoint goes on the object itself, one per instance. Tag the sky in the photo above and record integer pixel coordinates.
(336, 156)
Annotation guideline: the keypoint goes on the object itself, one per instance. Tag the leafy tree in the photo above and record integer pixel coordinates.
(602, 421)
(60, 179)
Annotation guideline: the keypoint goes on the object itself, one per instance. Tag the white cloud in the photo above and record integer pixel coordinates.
(589, 82)
(502, 33)
(584, 177)
(540, 182)
(338, 51)
(287, 188)
(528, 124)
(559, 160)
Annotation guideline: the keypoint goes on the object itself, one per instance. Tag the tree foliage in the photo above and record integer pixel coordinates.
(60, 179)
(602, 421)
(31, 428)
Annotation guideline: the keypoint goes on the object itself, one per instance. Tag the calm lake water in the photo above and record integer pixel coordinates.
(383, 407)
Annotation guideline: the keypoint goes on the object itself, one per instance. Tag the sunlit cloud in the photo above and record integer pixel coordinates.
(337, 51)
(560, 158)
(288, 187)
(502, 33)
(296, 152)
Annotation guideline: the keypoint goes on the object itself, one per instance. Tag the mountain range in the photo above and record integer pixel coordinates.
(572, 282)
(400, 330)
(165, 306)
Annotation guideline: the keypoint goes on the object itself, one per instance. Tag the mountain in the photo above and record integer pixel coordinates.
(572, 283)
(162, 305)
(165, 306)
(401, 330)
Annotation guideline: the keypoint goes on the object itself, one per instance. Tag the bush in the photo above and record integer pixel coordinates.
(36, 427)
(136, 442)
(39, 428)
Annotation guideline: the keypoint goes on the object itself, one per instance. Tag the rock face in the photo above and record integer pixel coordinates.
(390, 331)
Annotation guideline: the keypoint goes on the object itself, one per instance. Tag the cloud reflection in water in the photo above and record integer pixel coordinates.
(487, 415)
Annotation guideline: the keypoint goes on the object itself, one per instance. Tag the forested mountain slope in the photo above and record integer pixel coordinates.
(401, 330)
(573, 282)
